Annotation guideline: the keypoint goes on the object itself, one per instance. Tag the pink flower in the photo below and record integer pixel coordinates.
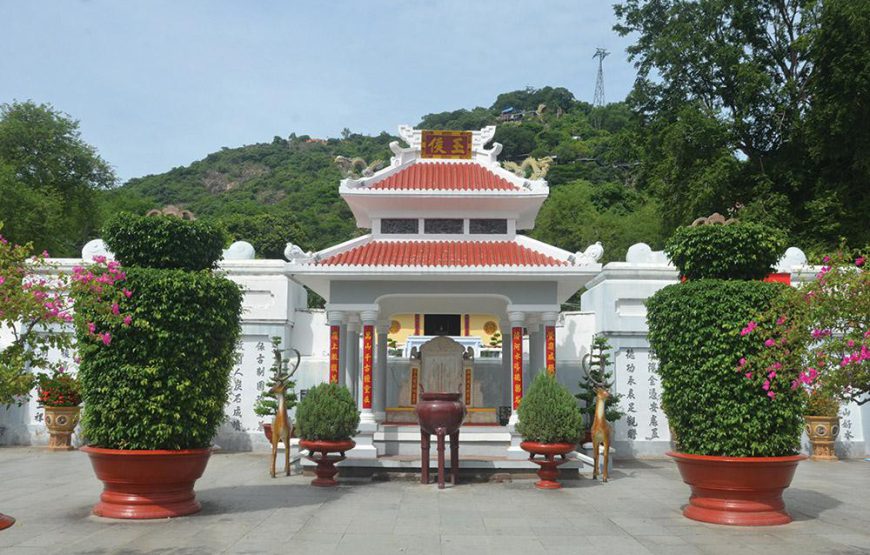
(92, 328)
(2, 280)
(780, 321)
(826, 259)
(100, 259)
(794, 384)
(741, 363)
(771, 374)
(128, 293)
(771, 394)
(777, 366)
(45, 254)
(749, 375)
(128, 320)
(859, 261)
(766, 385)
(770, 343)
(107, 338)
(116, 309)
(748, 329)
(850, 343)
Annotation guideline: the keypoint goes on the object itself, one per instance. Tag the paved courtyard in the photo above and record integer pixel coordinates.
(245, 511)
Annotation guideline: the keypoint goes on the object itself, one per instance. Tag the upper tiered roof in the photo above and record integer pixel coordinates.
(439, 176)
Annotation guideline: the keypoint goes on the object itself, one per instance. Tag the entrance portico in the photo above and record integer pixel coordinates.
(444, 240)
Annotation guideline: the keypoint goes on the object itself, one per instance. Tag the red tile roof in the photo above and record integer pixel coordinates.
(441, 253)
(445, 176)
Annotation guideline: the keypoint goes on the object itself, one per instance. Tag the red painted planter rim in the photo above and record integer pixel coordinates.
(143, 452)
(718, 458)
(327, 445)
(547, 448)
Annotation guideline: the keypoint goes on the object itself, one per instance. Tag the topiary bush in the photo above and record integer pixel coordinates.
(733, 251)
(162, 381)
(156, 344)
(549, 413)
(695, 329)
(164, 242)
(328, 412)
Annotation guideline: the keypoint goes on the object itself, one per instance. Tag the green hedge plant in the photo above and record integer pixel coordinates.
(732, 251)
(549, 413)
(727, 371)
(156, 344)
(164, 242)
(328, 412)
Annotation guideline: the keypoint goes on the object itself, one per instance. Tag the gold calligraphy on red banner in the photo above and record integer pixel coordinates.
(368, 341)
(550, 338)
(517, 365)
(334, 342)
(468, 387)
(446, 144)
(414, 374)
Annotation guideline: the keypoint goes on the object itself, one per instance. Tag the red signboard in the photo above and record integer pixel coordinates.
(468, 387)
(414, 374)
(334, 342)
(446, 144)
(517, 365)
(550, 338)
(368, 341)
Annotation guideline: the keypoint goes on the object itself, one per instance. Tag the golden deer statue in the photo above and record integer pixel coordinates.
(600, 432)
(282, 426)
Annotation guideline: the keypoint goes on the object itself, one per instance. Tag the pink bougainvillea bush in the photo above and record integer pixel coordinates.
(33, 305)
(817, 337)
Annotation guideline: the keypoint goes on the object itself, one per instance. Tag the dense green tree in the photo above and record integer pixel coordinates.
(268, 233)
(48, 178)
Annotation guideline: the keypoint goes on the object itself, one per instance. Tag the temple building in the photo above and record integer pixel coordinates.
(445, 251)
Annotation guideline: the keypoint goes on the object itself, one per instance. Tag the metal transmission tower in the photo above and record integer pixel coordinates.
(598, 99)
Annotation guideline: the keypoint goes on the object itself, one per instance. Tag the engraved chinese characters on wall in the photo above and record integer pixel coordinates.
(250, 376)
(638, 382)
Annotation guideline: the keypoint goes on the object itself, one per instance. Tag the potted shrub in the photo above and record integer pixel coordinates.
(550, 423)
(327, 418)
(822, 417)
(728, 372)
(595, 376)
(33, 307)
(58, 394)
(156, 340)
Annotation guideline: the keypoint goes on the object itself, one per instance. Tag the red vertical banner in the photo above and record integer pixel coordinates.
(517, 365)
(368, 358)
(467, 321)
(334, 342)
(468, 387)
(416, 324)
(550, 339)
(415, 372)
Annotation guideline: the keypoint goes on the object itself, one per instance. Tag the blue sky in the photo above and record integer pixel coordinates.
(158, 84)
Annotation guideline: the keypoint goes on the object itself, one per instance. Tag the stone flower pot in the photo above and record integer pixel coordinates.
(61, 421)
(545, 455)
(740, 491)
(147, 484)
(823, 431)
(326, 470)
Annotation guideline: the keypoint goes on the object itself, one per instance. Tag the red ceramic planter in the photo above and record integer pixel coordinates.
(738, 491)
(147, 484)
(267, 430)
(319, 452)
(6, 521)
(549, 471)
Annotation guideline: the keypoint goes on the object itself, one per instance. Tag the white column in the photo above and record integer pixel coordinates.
(353, 328)
(536, 353)
(381, 361)
(517, 321)
(369, 321)
(365, 438)
(342, 355)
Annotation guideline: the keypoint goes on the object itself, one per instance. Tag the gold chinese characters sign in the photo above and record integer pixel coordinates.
(446, 144)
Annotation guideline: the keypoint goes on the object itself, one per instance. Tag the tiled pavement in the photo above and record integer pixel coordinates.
(245, 511)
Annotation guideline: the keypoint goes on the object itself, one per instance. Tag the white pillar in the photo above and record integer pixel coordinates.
(369, 321)
(382, 359)
(353, 328)
(517, 322)
(365, 444)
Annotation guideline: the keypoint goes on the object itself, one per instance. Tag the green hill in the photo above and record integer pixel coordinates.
(287, 189)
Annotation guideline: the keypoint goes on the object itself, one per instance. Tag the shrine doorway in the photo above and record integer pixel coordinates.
(442, 324)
